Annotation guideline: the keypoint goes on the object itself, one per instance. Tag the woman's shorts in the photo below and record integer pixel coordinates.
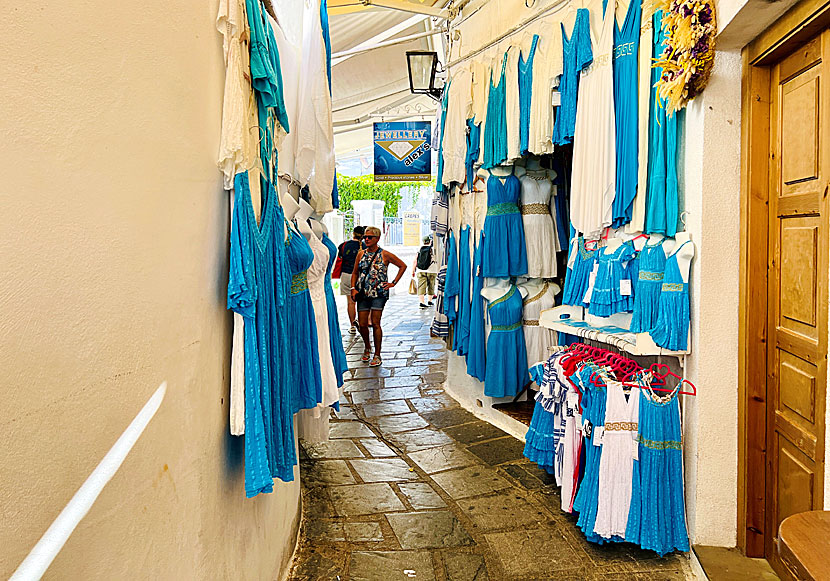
(346, 284)
(372, 303)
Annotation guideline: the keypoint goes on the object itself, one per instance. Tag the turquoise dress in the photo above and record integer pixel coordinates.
(505, 252)
(495, 126)
(662, 201)
(607, 298)
(626, 47)
(671, 330)
(473, 150)
(338, 355)
(477, 344)
(257, 290)
(525, 92)
(461, 337)
(306, 380)
(647, 290)
(452, 284)
(576, 56)
(506, 373)
(577, 277)
(439, 177)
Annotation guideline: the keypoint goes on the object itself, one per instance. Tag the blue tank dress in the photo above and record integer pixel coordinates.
(461, 337)
(473, 150)
(476, 366)
(657, 515)
(338, 354)
(576, 55)
(506, 373)
(626, 47)
(452, 284)
(257, 290)
(306, 380)
(495, 126)
(607, 298)
(662, 201)
(505, 252)
(671, 330)
(525, 92)
(649, 284)
(577, 277)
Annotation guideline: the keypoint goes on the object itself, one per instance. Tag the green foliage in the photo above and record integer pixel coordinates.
(365, 188)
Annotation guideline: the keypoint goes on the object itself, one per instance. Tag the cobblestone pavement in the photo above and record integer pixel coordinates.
(412, 486)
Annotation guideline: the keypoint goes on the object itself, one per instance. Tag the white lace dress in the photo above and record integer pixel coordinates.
(540, 236)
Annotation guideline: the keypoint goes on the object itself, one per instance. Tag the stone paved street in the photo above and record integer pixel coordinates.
(412, 486)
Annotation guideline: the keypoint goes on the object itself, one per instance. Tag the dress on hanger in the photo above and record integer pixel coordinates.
(607, 297)
(290, 65)
(593, 181)
(580, 264)
(338, 355)
(257, 290)
(571, 446)
(477, 345)
(506, 373)
(452, 283)
(647, 290)
(672, 327)
(439, 176)
(473, 150)
(495, 126)
(538, 339)
(577, 54)
(512, 104)
(626, 47)
(461, 338)
(505, 251)
(644, 104)
(540, 237)
(440, 324)
(525, 94)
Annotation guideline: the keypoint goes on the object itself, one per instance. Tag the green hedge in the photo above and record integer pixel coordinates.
(365, 188)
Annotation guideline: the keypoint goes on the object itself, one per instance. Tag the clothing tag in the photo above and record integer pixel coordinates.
(625, 287)
(591, 280)
(572, 254)
(556, 98)
(598, 433)
(588, 293)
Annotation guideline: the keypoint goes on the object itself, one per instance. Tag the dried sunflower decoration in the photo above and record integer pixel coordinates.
(689, 56)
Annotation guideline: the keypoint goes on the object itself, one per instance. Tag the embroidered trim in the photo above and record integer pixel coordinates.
(673, 286)
(512, 327)
(299, 282)
(645, 275)
(659, 445)
(502, 209)
(536, 297)
(502, 298)
(531, 322)
(621, 426)
(535, 209)
(585, 253)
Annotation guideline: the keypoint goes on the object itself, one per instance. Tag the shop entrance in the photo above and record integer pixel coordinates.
(787, 166)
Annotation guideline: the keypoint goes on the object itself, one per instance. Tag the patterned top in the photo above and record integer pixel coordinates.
(372, 274)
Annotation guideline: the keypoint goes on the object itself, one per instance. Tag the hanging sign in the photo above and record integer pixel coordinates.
(402, 151)
(412, 228)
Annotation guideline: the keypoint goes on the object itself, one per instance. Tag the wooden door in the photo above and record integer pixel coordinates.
(798, 280)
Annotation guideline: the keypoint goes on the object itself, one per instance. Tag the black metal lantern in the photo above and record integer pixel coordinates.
(422, 67)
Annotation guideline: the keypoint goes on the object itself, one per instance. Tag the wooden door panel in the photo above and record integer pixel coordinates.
(798, 250)
(796, 481)
(797, 391)
(799, 131)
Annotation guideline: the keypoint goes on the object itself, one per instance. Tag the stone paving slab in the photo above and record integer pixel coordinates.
(377, 449)
(386, 409)
(423, 530)
(391, 566)
(421, 495)
(340, 430)
(384, 470)
(465, 567)
(361, 499)
(471, 481)
(443, 458)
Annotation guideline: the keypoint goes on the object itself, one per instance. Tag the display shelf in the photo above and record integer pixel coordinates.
(611, 330)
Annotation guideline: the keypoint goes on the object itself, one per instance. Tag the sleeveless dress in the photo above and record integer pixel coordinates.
(512, 105)
(257, 290)
(452, 284)
(461, 338)
(543, 434)
(580, 264)
(576, 55)
(616, 468)
(649, 283)
(538, 339)
(606, 298)
(672, 327)
(572, 445)
(626, 48)
(505, 252)
(525, 94)
(495, 126)
(644, 104)
(303, 357)
(506, 373)
(338, 354)
(540, 237)
(473, 150)
(476, 366)
(439, 176)
(657, 516)
(313, 424)
(594, 177)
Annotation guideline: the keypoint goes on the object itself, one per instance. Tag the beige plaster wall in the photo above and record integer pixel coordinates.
(114, 266)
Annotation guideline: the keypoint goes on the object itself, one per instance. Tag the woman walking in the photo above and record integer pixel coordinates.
(370, 290)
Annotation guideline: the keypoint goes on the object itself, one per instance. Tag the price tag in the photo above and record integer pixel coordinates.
(625, 287)
(556, 98)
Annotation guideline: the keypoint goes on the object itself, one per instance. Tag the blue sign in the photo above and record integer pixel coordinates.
(402, 151)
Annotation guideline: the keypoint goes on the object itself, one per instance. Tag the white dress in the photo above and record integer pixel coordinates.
(593, 182)
(538, 339)
(540, 237)
(459, 109)
(313, 424)
(638, 214)
(570, 449)
(619, 447)
(290, 68)
(511, 77)
(547, 67)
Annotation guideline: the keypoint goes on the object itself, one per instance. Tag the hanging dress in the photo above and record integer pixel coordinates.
(473, 150)
(462, 336)
(577, 54)
(649, 284)
(495, 126)
(304, 359)
(477, 345)
(440, 323)
(607, 297)
(338, 354)
(257, 289)
(671, 330)
(525, 94)
(538, 339)
(580, 265)
(452, 284)
(644, 104)
(505, 251)
(439, 176)
(572, 445)
(657, 516)
(593, 181)
(626, 47)
(512, 105)
(506, 373)
(540, 237)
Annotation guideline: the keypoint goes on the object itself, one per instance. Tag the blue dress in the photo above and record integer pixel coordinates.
(439, 177)
(306, 380)
(662, 200)
(672, 327)
(461, 337)
(476, 366)
(576, 55)
(495, 126)
(505, 252)
(657, 517)
(577, 277)
(649, 284)
(626, 47)
(452, 284)
(525, 92)
(257, 290)
(473, 150)
(506, 373)
(606, 298)
(338, 355)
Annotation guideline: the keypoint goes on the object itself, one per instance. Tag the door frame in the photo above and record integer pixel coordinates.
(802, 22)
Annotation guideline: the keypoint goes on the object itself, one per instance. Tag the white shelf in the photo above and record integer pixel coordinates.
(611, 330)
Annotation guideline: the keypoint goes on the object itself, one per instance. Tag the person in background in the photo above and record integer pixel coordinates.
(370, 289)
(348, 252)
(427, 271)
